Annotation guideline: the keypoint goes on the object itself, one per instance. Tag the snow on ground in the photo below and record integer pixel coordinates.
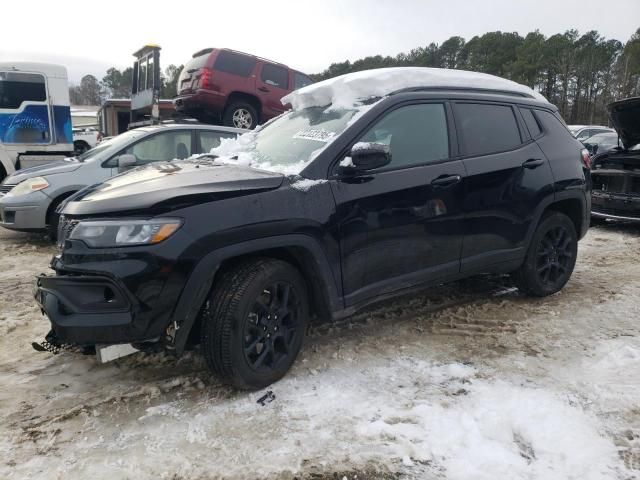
(344, 91)
(467, 381)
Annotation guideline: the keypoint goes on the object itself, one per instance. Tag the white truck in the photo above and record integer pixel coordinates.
(35, 117)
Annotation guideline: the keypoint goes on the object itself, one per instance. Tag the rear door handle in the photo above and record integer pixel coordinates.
(263, 89)
(446, 180)
(533, 163)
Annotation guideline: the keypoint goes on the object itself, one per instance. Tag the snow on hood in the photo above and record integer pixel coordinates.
(345, 90)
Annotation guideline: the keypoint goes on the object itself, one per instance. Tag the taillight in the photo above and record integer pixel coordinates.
(586, 159)
(205, 78)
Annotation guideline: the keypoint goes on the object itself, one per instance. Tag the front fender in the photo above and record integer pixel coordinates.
(202, 277)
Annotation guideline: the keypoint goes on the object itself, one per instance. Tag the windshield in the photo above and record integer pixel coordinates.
(115, 142)
(288, 143)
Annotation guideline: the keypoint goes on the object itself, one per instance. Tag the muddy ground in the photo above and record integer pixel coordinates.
(470, 380)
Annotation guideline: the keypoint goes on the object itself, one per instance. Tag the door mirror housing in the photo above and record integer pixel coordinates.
(126, 160)
(367, 156)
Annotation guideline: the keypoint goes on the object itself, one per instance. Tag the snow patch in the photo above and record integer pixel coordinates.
(499, 430)
(305, 184)
(346, 90)
(347, 162)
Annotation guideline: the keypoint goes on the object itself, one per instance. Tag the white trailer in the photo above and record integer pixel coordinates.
(35, 117)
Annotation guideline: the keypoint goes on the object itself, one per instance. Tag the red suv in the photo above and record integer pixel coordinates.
(240, 89)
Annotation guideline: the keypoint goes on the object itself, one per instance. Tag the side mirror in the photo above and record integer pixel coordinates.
(368, 156)
(126, 160)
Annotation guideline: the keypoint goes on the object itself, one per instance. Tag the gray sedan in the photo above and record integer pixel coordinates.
(29, 198)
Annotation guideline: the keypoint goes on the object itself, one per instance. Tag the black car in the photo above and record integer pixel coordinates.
(396, 192)
(601, 142)
(616, 173)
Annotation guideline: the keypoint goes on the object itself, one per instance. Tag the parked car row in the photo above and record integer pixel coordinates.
(449, 173)
(30, 197)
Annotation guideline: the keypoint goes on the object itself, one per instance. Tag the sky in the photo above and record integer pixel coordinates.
(89, 37)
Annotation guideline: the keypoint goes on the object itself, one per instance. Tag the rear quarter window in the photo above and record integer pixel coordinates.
(551, 123)
(235, 63)
(197, 62)
(487, 128)
(531, 121)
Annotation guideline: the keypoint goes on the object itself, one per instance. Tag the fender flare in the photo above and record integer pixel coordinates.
(203, 275)
(569, 194)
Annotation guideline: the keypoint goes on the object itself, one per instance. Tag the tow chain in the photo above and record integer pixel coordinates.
(50, 344)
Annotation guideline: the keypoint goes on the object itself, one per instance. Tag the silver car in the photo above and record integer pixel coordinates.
(29, 198)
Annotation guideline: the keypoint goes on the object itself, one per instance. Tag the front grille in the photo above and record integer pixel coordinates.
(65, 227)
(6, 187)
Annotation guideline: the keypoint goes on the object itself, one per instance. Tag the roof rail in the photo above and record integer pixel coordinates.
(465, 89)
(254, 56)
(202, 52)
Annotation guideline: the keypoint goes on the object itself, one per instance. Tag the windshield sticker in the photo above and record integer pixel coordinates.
(317, 135)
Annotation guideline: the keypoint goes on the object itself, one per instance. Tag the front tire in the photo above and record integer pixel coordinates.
(550, 258)
(254, 322)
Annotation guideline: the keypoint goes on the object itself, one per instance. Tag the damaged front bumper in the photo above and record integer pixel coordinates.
(85, 310)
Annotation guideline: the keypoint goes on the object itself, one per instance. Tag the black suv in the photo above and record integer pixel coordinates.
(419, 187)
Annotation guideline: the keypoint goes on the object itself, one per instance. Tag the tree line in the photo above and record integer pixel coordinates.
(117, 84)
(580, 74)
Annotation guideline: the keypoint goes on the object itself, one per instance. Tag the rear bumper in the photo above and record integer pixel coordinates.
(207, 101)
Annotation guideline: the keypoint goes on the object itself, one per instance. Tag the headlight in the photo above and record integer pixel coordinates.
(122, 233)
(27, 186)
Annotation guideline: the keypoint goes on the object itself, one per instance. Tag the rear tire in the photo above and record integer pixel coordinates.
(550, 258)
(240, 115)
(254, 322)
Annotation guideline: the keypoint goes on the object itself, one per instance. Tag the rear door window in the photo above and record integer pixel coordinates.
(235, 63)
(531, 122)
(209, 140)
(487, 128)
(164, 146)
(275, 76)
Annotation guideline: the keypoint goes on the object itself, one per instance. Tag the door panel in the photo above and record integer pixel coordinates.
(272, 84)
(397, 224)
(503, 189)
(401, 225)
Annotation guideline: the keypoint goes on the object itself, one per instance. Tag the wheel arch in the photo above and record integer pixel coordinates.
(245, 97)
(571, 203)
(302, 251)
(57, 200)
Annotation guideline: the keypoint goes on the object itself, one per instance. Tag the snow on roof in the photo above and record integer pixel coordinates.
(346, 90)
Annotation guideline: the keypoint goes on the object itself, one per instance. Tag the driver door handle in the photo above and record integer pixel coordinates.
(446, 180)
(263, 89)
(533, 163)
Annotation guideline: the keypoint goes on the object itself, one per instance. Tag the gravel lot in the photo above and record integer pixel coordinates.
(466, 381)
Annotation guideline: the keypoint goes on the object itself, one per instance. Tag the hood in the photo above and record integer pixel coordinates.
(625, 116)
(170, 185)
(43, 170)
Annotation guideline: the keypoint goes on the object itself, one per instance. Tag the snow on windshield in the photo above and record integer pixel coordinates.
(290, 142)
(346, 90)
